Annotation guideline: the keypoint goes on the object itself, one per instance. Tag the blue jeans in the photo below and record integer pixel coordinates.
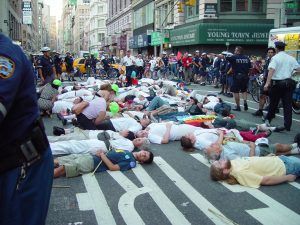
(174, 68)
(156, 103)
(292, 165)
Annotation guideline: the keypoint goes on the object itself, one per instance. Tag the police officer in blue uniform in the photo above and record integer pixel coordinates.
(46, 67)
(26, 164)
(240, 65)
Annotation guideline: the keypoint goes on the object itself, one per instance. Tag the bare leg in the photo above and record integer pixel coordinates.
(283, 149)
(237, 99)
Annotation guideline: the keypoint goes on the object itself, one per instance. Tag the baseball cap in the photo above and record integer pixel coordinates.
(262, 141)
(56, 82)
(189, 54)
(114, 107)
(45, 49)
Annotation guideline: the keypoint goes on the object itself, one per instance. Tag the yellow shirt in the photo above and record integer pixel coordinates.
(249, 171)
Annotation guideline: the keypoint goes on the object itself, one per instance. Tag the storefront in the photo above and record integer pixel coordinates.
(141, 44)
(219, 37)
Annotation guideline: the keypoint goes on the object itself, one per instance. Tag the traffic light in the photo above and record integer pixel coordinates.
(179, 7)
(190, 2)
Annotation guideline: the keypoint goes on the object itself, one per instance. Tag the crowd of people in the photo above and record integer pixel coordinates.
(114, 125)
(112, 122)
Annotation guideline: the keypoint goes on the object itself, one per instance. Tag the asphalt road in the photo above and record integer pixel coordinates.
(175, 189)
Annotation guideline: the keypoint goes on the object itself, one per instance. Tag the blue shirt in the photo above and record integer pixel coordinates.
(17, 93)
(240, 64)
(196, 60)
(46, 64)
(124, 159)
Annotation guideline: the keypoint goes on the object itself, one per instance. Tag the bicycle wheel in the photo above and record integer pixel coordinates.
(112, 73)
(296, 106)
(170, 75)
(255, 93)
(102, 75)
(154, 75)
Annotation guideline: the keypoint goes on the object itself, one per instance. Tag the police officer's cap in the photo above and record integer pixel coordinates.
(279, 44)
(45, 49)
(164, 53)
(197, 51)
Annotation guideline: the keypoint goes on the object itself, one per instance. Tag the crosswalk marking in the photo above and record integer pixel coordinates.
(94, 200)
(202, 203)
(276, 213)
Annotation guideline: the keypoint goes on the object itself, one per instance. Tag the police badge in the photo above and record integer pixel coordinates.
(7, 67)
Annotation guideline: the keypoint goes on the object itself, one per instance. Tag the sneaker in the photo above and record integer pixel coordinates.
(297, 139)
(237, 109)
(258, 113)
(221, 93)
(203, 84)
(279, 129)
(245, 106)
(57, 131)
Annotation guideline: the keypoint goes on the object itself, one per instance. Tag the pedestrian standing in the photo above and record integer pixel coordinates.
(57, 64)
(69, 66)
(240, 66)
(281, 85)
(187, 67)
(129, 62)
(263, 94)
(46, 67)
(140, 66)
(26, 163)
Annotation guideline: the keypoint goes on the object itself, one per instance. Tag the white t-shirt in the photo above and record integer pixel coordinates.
(123, 123)
(77, 147)
(95, 106)
(128, 61)
(205, 137)
(139, 62)
(283, 64)
(158, 130)
(152, 64)
(134, 113)
(72, 94)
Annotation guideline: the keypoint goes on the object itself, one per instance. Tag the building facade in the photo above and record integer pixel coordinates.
(46, 25)
(97, 31)
(119, 28)
(53, 33)
(68, 17)
(82, 14)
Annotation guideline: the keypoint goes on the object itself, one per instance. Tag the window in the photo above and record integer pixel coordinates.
(226, 5)
(100, 9)
(101, 23)
(242, 5)
(100, 37)
(257, 6)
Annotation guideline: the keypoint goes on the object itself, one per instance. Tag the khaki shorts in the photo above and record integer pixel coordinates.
(77, 164)
(264, 150)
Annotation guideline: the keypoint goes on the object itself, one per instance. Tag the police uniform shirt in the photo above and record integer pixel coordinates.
(18, 101)
(128, 61)
(240, 64)
(196, 60)
(139, 62)
(69, 62)
(283, 64)
(46, 64)
(165, 60)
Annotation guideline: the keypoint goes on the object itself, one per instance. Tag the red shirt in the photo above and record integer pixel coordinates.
(187, 62)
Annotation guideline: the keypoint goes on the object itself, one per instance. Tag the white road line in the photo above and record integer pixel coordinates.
(126, 202)
(94, 200)
(202, 203)
(162, 201)
(276, 213)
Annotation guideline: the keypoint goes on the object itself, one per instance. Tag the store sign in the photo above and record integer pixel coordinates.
(123, 42)
(27, 12)
(251, 34)
(210, 9)
(185, 36)
(292, 41)
(155, 38)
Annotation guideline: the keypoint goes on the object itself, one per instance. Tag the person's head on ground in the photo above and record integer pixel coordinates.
(213, 151)
(142, 134)
(142, 143)
(144, 156)
(187, 142)
(56, 84)
(220, 171)
(145, 122)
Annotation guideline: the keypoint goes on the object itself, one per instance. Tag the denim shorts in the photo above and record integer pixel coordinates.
(292, 165)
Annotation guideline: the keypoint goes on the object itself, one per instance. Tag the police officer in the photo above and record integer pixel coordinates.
(26, 164)
(281, 85)
(46, 67)
(240, 65)
(129, 62)
(69, 66)
(57, 64)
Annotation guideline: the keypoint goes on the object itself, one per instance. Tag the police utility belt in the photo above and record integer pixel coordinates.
(290, 83)
(26, 153)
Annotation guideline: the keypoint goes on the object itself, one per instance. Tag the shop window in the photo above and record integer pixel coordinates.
(242, 5)
(226, 5)
(257, 5)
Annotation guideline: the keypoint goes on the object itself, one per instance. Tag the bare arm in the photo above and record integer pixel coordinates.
(270, 75)
(277, 179)
(166, 137)
(100, 117)
(107, 162)
(252, 149)
(221, 137)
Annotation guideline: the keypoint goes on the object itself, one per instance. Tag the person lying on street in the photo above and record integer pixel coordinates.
(78, 164)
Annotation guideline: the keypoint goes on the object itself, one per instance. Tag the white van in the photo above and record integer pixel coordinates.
(289, 35)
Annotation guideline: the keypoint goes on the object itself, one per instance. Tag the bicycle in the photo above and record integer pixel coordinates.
(296, 95)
